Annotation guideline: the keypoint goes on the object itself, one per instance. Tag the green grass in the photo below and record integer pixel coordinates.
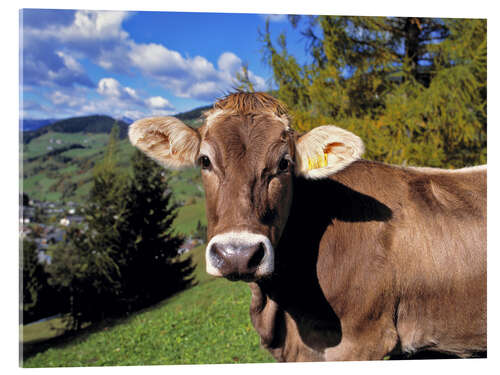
(38, 146)
(198, 258)
(188, 216)
(206, 324)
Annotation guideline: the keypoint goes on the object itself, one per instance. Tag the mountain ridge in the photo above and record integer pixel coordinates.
(86, 124)
(93, 124)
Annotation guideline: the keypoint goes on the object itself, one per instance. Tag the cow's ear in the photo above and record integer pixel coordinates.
(167, 140)
(325, 150)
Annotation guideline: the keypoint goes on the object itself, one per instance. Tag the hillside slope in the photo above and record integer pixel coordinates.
(87, 124)
(57, 163)
(208, 323)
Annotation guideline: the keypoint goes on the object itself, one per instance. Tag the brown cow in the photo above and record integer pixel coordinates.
(347, 259)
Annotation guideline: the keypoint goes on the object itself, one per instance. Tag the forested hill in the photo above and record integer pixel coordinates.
(87, 124)
(58, 160)
(193, 114)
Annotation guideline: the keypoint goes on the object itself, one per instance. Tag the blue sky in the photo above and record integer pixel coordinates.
(138, 64)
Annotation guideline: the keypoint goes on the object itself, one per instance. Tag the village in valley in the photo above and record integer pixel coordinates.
(45, 223)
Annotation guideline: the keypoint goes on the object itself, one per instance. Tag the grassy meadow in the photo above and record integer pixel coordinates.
(208, 323)
(67, 175)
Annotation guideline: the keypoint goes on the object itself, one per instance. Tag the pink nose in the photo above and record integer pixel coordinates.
(237, 262)
(240, 255)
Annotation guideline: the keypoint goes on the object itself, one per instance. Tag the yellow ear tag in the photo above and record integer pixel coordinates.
(319, 161)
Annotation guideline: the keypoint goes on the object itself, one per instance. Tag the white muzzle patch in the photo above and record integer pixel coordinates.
(234, 240)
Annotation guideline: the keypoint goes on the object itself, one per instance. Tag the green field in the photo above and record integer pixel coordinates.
(67, 176)
(208, 323)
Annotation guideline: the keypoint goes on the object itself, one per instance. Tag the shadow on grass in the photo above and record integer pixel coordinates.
(66, 337)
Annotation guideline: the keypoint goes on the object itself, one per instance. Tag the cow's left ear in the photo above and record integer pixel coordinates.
(167, 140)
(325, 150)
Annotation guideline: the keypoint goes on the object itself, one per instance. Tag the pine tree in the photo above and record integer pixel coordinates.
(414, 89)
(34, 280)
(126, 258)
(149, 262)
(39, 300)
(84, 265)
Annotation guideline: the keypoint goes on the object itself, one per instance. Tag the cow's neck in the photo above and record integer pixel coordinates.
(290, 311)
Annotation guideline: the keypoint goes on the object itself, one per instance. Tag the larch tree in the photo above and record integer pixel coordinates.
(414, 89)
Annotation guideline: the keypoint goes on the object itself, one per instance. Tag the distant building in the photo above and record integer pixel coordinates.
(71, 219)
(43, 257)
(27, 212)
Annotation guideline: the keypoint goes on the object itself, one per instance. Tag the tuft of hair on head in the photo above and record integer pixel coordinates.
(247, 103)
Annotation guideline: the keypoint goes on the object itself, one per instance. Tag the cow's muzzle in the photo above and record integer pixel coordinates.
(240, 256)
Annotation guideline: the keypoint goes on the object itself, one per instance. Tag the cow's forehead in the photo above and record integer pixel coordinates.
(236, 134)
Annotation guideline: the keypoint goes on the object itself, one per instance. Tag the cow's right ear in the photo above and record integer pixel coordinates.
(167, 140)
(326, 150)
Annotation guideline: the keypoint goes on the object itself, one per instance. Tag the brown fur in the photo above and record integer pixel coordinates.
(399, 269)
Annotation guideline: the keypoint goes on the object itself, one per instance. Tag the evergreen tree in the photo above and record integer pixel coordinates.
(84, 265)
(38, 299)
(413, 88)
(126, 258)
(149, 262)
(33, 279)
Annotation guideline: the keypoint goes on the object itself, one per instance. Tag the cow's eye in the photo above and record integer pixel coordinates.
(204, 162)
(283, 165)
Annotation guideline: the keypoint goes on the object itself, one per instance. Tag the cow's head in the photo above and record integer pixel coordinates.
(248, 156)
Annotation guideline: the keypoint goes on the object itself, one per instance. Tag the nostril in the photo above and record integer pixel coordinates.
(257, 257)
(216, 256)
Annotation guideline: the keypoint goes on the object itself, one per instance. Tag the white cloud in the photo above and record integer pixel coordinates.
(259, 82)
(189, 77)
(120, 96)
(109, 87)
(229, 62)
(131, 93)
(203, 89)
(92, 25)
(95, 35)
(155, 59)
(60, 98)
(158, 102)
(54, 51)
(70, 62)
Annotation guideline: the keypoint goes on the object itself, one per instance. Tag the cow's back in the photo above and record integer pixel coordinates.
(423, 252)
